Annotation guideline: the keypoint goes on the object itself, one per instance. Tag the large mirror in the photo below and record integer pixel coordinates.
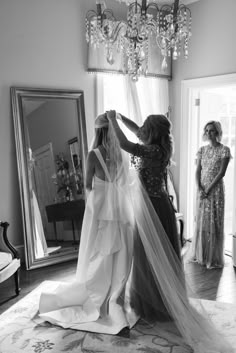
(51, 143)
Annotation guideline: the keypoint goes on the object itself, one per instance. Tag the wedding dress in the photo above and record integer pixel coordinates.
(98, 299)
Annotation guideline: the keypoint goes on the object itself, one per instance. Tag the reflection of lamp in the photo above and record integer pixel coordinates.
(170, 25)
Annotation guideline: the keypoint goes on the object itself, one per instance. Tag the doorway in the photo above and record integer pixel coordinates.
(203, 100)
(43, 171)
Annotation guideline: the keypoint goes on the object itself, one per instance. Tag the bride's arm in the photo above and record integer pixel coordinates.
(90, 171)
(131, 125)
(125, 144)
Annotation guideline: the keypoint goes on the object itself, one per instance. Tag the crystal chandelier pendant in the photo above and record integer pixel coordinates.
(164, 64)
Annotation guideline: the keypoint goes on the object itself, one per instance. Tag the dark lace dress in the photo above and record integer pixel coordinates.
(152, 167)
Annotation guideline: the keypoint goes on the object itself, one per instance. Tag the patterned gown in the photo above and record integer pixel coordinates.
(152, 167)
(208, 242)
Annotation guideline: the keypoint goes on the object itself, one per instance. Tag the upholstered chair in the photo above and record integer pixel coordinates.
(9, 258)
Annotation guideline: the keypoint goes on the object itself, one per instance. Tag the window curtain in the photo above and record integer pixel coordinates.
(135, 100)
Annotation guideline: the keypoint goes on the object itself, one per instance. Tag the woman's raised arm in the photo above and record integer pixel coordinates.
(131, 125)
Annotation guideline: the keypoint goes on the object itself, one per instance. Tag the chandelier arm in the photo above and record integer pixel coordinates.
(90, 14)
(167, 46)
(184, 7)
(116, 32)
(153, 4)
(166, 8)
(109, 12)
(120, 26)
(134, 4)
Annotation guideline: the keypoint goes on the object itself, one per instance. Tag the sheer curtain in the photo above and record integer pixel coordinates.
(136, 100)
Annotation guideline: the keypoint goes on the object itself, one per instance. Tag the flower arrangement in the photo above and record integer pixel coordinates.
(64, 177)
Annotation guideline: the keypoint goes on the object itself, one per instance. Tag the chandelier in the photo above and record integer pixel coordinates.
(167, 26)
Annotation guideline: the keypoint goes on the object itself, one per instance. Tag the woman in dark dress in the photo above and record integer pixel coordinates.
(151, 159)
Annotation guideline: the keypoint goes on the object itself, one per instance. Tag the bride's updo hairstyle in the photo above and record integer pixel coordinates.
(105, 136)
(217, 127)
(158, 132)
(101, 131)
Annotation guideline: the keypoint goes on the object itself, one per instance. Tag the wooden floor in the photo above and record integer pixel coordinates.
(214, 284)
(31, 279)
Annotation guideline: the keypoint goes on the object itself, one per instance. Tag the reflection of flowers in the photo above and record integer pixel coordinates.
(78, 174)
(64, 177)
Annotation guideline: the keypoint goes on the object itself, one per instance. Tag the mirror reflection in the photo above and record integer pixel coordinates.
(51, 162)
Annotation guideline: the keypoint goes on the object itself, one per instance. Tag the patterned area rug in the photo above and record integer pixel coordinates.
(21, 330)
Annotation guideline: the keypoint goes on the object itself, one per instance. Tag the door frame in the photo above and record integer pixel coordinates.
(188, 124)
(47, 150)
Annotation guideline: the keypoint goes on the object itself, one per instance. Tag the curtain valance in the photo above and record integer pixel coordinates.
(97, 62)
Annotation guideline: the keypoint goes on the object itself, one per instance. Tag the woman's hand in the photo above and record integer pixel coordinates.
(111, 115)
(119, 117)
(203, 194)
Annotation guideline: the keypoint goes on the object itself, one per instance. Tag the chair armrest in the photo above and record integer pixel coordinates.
(15, 253)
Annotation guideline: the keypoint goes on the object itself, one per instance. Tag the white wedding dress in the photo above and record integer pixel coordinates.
(96, 301)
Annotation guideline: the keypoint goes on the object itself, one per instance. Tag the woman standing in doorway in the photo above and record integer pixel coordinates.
(212, 163)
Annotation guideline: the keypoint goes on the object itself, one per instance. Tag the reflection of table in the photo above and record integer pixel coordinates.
(66, 211)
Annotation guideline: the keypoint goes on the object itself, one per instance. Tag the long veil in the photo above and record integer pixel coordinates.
(167, 269)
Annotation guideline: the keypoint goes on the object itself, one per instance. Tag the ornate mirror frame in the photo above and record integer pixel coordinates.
(35, 96)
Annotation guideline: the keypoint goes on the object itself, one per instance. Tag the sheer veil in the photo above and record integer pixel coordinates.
(133, 202)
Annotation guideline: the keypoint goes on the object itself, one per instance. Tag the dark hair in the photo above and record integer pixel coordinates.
(159, 132)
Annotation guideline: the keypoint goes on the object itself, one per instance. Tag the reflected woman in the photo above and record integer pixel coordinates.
(212, 163)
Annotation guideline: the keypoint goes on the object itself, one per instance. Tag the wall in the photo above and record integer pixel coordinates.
(212, 51)
(42, 44)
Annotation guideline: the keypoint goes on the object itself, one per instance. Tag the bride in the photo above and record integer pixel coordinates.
(118, 212)
(96, 300)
